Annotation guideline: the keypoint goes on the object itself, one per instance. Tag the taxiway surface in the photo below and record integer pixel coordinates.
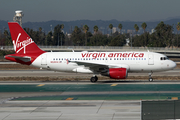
(81, 100)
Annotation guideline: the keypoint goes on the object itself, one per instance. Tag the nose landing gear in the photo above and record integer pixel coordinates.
(150, 78)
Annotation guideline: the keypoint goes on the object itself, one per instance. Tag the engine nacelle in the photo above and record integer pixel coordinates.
(116, 73)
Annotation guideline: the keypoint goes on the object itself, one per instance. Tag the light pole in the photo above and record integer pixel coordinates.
(61, 40)
(58, 39)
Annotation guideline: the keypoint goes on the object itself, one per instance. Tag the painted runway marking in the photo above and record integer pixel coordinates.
(174, 98)
(40, 85)
(69, 98)
(113, 84)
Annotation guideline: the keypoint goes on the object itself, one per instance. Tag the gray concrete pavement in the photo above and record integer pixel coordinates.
(70, 110)
(64, 109)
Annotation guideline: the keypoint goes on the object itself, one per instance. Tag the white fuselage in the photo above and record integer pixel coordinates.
(132, 61)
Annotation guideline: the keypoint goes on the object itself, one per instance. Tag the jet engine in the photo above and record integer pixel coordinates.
(116, 73)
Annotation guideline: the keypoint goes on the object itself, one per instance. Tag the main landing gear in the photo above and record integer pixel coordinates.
(150, 78)
(94, 79)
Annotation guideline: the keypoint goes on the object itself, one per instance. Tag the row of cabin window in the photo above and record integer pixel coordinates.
(100, 59)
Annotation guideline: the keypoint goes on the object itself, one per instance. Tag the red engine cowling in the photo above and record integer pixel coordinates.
(116, 73)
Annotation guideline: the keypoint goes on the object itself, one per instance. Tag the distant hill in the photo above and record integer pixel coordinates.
(102, 24)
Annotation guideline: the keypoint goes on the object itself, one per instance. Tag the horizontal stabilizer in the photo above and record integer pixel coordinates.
(22, 58)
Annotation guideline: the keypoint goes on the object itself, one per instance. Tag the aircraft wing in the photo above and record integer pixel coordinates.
(99, 67)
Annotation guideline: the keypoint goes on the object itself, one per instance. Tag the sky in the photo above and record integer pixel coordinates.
(70, 10)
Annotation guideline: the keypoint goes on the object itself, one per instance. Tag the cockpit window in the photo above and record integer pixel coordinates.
(164, 58)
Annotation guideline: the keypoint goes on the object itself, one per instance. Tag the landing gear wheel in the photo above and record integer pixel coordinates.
(94, 79)
(150, 79)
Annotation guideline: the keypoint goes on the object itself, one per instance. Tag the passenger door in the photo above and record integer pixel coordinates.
(151, 59)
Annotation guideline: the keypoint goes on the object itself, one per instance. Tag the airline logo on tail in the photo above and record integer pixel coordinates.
(18, 46)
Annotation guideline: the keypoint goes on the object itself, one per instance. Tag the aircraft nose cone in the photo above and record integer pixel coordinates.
(173, 65)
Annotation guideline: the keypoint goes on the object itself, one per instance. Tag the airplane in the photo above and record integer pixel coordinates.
(116, 65)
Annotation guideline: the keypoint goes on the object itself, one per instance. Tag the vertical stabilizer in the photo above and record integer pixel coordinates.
(22, 43)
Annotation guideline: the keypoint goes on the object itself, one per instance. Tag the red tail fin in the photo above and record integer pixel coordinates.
(23, 44)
